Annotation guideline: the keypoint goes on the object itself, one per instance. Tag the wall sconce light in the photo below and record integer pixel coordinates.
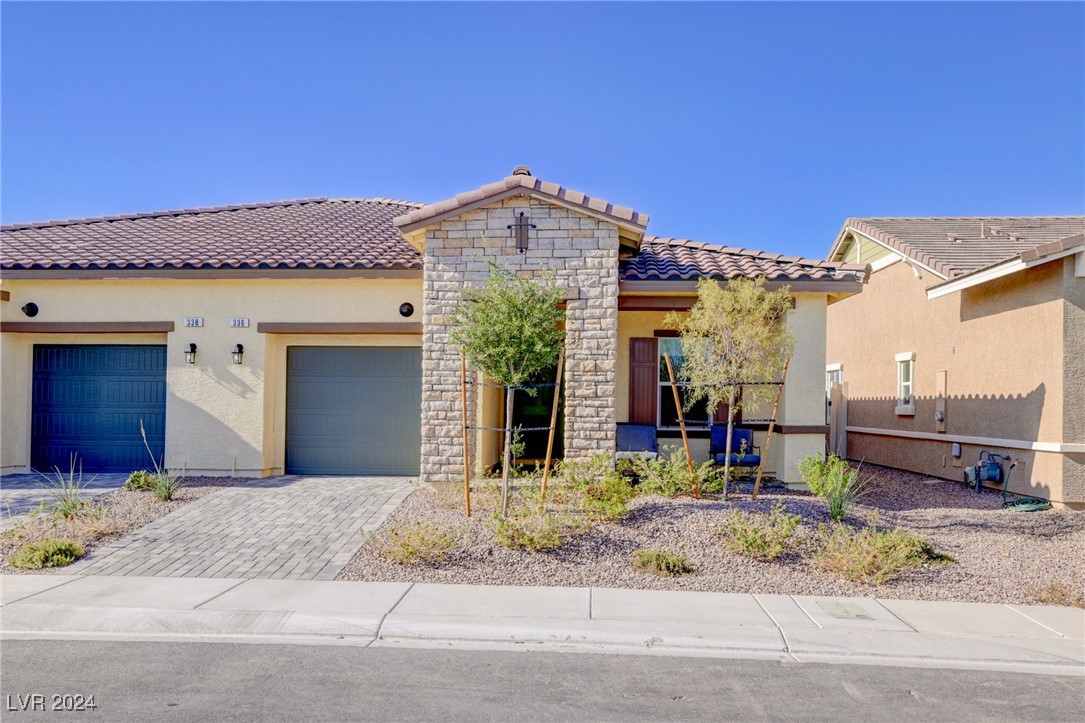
(237, 353)
(406, 309)
(30, 309)
(190, 355)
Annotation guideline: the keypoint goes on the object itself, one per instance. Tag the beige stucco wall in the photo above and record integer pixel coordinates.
(1001, 345)
(803, 402)
(220, 417)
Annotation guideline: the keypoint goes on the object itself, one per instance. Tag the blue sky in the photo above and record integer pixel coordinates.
(761, 126)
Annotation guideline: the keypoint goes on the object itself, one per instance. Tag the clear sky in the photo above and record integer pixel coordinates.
(756, 125)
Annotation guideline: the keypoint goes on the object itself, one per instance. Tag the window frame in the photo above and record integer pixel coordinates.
(905, 403)
(666, 383)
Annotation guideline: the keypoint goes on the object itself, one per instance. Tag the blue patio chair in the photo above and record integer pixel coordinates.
(637, 440)
(742, 447)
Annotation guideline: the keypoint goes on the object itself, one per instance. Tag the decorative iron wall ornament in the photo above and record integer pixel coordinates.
(520, 234)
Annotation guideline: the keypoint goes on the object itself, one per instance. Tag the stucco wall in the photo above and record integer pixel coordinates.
(220, 417)
(1001, 345)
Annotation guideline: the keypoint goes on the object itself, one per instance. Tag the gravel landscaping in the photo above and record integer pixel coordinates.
(121, 512)
(1001, 556)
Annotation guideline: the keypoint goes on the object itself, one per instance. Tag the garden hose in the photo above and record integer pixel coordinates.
(1027, 504)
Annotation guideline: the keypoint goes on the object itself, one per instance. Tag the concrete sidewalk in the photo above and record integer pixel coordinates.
(1024, 638)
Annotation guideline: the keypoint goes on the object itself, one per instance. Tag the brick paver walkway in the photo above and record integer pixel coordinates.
(297, 528)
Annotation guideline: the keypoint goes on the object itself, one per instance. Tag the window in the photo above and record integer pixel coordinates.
(696, 418)
(832, 376)
(905, 380)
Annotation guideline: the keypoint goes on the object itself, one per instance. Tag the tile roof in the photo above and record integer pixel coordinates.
(664, 259)
(522, 180)
(315, 233)
(958, 246)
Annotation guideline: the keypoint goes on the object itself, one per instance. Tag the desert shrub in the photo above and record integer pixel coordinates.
(603, 492)
(662, 563)
(47, 553)
(165, 484)
(139, 480)
(1057, 593)
(760, 536)
(871, 555)
(416, 544)
(66, 490)
(668, 474)
(834, 480)
(533, 527)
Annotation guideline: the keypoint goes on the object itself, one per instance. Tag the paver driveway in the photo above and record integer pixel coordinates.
(293, 527)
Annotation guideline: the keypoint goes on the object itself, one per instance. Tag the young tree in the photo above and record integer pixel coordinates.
(734, 336)
(510, 329)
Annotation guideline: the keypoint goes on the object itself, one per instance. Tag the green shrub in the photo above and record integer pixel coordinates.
(165, 484)
(416, 544)
(662, 563)
(66, 490)
(760, 536)
(139, 480)
(834, 480)
(47, 553)
(529, 527)
(871, 555)
(603, 492)
(668, 474)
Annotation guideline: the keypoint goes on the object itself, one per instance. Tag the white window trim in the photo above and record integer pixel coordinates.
(905, 410)
(834, 368)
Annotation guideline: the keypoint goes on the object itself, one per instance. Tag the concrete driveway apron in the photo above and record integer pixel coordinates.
(292, 527)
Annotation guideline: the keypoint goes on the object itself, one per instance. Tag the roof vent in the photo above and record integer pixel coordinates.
(521, 171)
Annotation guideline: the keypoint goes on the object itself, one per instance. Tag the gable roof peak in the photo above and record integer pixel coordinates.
(521, 182)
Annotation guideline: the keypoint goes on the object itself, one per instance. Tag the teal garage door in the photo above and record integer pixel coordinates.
(88, 401)
(353, 410)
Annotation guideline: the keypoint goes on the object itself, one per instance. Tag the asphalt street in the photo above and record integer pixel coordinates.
(150, 681)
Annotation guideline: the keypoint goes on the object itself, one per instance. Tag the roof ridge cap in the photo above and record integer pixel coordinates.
(958, 218)
(379, 199)
(160, 214)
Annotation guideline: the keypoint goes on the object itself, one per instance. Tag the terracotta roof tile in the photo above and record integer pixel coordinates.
(955, 246)
(664, 259)
(419, 216)
(315, 233)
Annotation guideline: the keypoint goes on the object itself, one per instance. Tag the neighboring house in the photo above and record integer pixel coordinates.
(970, 336)
(320, 332)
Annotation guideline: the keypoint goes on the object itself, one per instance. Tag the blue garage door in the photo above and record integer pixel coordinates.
(354, 410)
(89, 400)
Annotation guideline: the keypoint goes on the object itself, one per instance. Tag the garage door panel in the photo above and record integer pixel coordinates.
(89, 400)
(354, 410)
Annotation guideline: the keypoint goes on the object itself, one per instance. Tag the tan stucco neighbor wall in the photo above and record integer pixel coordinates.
(1003, 346)
(221, 418)
(582, 253)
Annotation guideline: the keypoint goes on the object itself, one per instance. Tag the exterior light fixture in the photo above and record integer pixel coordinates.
(406, 309)
(190, 355)
(237, 353)
(521, 226)
(30, 309)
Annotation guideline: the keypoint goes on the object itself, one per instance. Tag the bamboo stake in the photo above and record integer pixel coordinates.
(553, 420)
(682, 426)
(466, 457)
(772, 425)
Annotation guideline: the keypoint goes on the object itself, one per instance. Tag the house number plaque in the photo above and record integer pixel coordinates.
(193, 321)
(239, 323)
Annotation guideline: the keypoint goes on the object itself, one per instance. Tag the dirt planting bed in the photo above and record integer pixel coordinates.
(105, 518)
(1001, 556)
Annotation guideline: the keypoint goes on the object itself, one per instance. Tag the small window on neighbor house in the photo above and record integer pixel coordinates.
(905, 383)
(832, 376)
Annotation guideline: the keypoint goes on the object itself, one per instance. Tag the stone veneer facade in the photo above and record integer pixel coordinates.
(582, 254)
